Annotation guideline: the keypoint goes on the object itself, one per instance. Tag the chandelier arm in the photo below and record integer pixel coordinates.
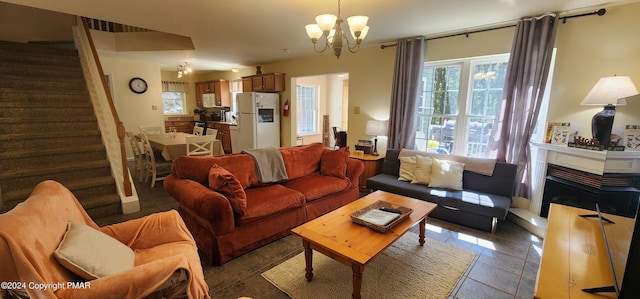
(326, 46)
(355, 47)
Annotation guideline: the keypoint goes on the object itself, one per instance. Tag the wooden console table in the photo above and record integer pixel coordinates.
(372, 166)
(574, 256)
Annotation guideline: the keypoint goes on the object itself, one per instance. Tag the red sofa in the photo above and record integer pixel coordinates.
(229, 212)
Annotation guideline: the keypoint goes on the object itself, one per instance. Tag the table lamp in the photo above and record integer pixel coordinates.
(376, 128)
(608, 91)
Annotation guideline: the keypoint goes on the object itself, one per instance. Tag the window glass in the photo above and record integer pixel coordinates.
(173, 102)
(307, 109)
(459, 102)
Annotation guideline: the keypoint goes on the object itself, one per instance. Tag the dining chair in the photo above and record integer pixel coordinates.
(154, 167)
(138, 155)
(200, 145)
(198, 131)
(151, 130)
(211, 131)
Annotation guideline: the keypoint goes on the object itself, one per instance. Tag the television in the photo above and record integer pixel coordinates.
(622, 243)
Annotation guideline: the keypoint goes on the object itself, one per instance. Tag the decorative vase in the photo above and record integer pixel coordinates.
(258, 70)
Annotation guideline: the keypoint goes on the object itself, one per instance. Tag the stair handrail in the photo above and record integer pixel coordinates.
(126, 183)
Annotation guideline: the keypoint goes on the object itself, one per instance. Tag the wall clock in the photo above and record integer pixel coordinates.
(138, 85)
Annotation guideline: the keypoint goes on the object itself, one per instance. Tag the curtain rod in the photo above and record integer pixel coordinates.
(599, 12)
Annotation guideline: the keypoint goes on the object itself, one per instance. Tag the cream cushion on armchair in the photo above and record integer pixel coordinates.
(33, 230)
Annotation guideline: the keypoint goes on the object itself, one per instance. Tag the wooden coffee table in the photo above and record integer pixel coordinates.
(354, 245)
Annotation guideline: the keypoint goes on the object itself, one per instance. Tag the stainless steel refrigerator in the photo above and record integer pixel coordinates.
(258, 121)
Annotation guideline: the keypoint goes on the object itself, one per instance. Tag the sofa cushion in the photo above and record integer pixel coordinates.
(223, 182)
(302, 160)
(196, 168)
(407, 168)
(316, 185)
(334, 162)
(422, 173)
(446, 174)
(269, 200)
(92, 254)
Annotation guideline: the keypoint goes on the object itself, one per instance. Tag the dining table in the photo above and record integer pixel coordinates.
(174, 145)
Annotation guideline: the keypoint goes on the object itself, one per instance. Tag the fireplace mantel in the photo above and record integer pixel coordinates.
(596, 162)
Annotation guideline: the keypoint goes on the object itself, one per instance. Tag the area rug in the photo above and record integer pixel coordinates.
(404, 270)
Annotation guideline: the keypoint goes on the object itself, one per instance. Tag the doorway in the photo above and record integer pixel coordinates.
(319, 103)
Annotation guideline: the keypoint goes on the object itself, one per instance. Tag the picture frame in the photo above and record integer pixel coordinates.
(549, 131)
(560, 135)
(631, 138)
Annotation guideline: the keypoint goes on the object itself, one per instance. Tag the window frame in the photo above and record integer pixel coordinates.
(316, 110)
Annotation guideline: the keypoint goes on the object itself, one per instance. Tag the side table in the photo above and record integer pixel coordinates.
(372, 166)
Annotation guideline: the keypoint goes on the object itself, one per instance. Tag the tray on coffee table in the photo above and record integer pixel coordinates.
(360, 216)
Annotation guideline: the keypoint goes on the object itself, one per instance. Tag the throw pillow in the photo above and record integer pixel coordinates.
(92, 254)
(422, 173)
(334, 162)
(407, 168)
(225, 183)
(446, 174)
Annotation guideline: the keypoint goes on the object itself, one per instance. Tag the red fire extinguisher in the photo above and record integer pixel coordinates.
(285, 111)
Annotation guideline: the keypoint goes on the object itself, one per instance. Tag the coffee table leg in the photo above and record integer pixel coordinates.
(308, 258)
(422, 224)
(357, 280)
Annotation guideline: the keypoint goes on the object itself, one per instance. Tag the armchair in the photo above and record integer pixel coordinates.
(166, 257)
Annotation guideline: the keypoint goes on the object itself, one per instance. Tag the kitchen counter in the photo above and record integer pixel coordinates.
(221, 122)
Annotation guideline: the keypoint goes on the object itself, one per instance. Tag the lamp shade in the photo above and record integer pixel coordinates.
(376, 128)
(610, 91)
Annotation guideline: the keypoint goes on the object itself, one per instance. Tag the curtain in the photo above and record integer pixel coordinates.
(404, 92)
(525, 82)
(170, 86)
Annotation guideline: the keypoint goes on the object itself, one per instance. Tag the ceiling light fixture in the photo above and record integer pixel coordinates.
(184, 69)
(330, 26)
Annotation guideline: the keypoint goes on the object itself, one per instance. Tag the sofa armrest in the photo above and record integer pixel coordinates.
(150, 231)
(214, 208)
(355, 168)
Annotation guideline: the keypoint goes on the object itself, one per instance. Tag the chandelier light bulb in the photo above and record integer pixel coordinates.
(357, 23)
(326, 22)
(313, 31)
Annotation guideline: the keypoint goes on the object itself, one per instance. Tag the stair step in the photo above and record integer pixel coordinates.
(16, 125)
(50, 85)
(37, 112)
(50, 157)
(14, 179)
(39, 98)
(91, 192)
(48, 140)
(20, 71)
(34, 48)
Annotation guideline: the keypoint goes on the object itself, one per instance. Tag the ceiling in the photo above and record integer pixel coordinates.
(234, 34)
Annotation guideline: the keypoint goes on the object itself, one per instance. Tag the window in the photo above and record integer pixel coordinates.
(308, 110)
(458, 104)
(174, 97)
(173, 102)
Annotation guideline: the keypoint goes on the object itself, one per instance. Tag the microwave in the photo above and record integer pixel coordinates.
(209, 100)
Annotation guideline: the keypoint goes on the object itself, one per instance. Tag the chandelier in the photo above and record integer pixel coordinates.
(184, 69)
(330, 26)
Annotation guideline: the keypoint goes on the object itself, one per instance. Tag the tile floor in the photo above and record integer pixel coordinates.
(505, 266)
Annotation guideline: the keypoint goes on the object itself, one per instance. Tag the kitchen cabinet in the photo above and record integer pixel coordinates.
(183, 124)
(219, 87)
(272, 82)
(224, 134)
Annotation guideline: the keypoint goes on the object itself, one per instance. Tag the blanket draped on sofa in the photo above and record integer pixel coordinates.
(269, 164)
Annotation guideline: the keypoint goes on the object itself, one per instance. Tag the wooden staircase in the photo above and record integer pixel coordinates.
(48, 129)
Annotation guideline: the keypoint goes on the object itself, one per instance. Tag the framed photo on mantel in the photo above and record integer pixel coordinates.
(560, 135)
(631, 138)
